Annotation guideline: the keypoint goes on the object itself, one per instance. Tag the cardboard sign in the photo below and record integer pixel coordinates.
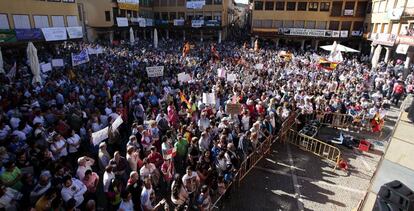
(58, 63)
(155, 71)
(81, 58)
(184, 77)
(233, 108)
(46, 67)
(221, 73)
(99, 136)
(209, 98)
(231, 77)
(259, 66)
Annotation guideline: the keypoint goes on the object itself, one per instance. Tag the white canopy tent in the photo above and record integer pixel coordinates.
(33, 62)
(155, 38)
(339, 47)
(131, 36)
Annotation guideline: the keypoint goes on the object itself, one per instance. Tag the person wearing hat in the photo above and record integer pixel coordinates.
(103, 156)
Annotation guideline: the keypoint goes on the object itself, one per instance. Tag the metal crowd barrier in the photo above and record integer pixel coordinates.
(261, 151)
(342, 120)
(315, 146)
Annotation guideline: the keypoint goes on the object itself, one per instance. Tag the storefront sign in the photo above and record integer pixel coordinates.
(383, 39)
(75, 32)
(336, 33)
(122, 22)
(344, 33)
(178, 22)
(306, 32)
(195, 4)
(149, 22)
(197, 23)
(126, 6)
(212, 23)
(356, 33)
(348, 12)
(55, 33)
(141, 22)
(29, 34)
(7, 36)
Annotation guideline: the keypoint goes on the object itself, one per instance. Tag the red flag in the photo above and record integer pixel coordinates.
(170, 153)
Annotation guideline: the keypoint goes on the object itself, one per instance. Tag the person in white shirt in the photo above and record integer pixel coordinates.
(107, 178)
(73, 142)
(4, 130)
(191, 181)
(103, 156)
(132, 157)
(126, 203)
(73, 188)
(149, 170)
(85, 163)
(58, 147)
(148, 196)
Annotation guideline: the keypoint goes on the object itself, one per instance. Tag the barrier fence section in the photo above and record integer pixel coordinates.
(261, 151)
(315, 146)
(342, 120)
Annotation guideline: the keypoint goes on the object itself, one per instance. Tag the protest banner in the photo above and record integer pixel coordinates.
(122, 22)
(231, 77)
(55, 33)
(95, 50)
(155, 71)
(259, 66)
(118, 121)
(183, 77)
(81, 58)
(46, 67)
(170, 153)
(99, 136)
(209, 98)
(195, 4)
(58, 63)
(233, 108)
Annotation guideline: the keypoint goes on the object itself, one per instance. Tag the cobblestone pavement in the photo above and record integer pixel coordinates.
(292, 179)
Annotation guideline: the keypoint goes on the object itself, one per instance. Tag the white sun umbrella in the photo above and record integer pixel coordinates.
(131, 36)
(33, 62)
(339, 47)
(335, 55)
(155, 38)
(1, 63)
(376, 56)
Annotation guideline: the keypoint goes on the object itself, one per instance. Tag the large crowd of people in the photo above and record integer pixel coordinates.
(173, 150)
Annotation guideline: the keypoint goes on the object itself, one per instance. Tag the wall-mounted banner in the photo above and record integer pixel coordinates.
(75, 32)
(306, 32)
(356, 33)
(402, 48)
(178, 22)
(149, 22)
(195, 4)
(344, 33)
(58, 63)
(29, 34)
(142, 22)
(155, 71)
(122, 22)
(336, 33)
(81, 58)
(197, 23)
(55, 33)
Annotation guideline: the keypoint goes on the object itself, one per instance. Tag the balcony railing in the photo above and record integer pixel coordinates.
(408, 12)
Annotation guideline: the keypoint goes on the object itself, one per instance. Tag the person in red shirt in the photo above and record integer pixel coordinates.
(397, 92)
(155, 157)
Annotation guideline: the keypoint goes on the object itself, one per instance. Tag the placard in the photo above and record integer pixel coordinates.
(209, 98)
(155, 71)
(178, 22)
(197, 23)
(142, 22)
(96, 50)
(233, 109)
(118, 121)
(122, 22)
(184, 77)
(344, 33)
(336, 33)
(58, 63)
(81, 58)
(402, 48)
(231, 77)
(46, 67)
(221, 73)
(75, 32)
(195, 4)
(55, 33)
(99, 136)
(259, 66)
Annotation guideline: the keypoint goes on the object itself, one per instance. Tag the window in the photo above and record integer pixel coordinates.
(57, 21)
(336, 8)
(41, 21)
(310, 24)
(277, 24)
(164, 3)
(21, 22)
(288, 24)
(321, 24)
(334, 25)
(325, 6)
(164, 16)
(173, 15)
(180, 2)
(280, 5)
(369, 7)
(122, 13)
(291, 6)
(157, 16)
(299, 24)
(156, 3)
(218, 2)
(361, 8)
(346, 25)
(266, 23)
(69, 1)
(72, 20)
(209, 2)
(349, 8)
(302, 6)
(258, 5)
(358, 26)
(108, 16)
(269, 5)
(135, 14)
(4, 21)
(172, 3)
(313, 6)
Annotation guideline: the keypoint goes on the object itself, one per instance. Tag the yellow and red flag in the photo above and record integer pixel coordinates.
(184, 99)
(327, 65)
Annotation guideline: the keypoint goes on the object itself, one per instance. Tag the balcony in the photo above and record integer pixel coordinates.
(408, 12)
